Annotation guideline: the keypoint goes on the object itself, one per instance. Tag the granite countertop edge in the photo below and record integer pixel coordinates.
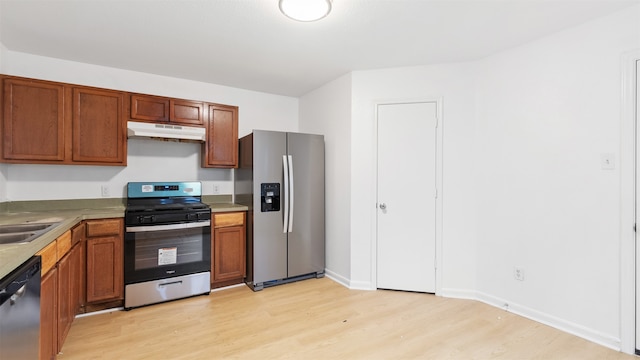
(13, 255)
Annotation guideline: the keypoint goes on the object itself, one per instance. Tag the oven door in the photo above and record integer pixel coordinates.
(155, 252)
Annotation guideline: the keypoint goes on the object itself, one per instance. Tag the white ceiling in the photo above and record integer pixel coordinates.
(248, 44)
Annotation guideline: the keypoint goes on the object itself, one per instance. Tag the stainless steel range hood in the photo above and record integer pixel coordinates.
(164, 131)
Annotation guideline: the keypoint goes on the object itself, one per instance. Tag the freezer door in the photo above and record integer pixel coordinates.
(269, 247)
(306, 240)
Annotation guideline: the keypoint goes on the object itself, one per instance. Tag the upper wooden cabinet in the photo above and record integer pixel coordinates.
(33, 126)
(149, 108)
(221, 148)
(45, 122)
(54, 123)
(98, 126)
(160, 109)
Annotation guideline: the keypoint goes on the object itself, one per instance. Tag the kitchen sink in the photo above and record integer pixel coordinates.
(17, 238)
(23, 233)
(18, 228)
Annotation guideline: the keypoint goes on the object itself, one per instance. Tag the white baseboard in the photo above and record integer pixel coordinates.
(336, 277)
(105, 311)
(538, 316)
(458, 294)
(555, 322)
(361, 285)
(518, 309)
(353, 285)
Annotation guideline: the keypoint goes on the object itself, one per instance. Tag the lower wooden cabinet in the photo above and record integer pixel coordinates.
(84, 265)
(228, 249)
(48, 315)
(78, 237)
(68, 289)
(59, 293)
(105, 260)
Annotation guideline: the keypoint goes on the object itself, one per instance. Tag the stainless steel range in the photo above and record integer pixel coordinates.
(167, 248)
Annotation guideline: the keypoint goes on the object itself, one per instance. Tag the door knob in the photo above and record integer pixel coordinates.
(383, 206)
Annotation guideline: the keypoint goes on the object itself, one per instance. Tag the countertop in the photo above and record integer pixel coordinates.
(13, 255)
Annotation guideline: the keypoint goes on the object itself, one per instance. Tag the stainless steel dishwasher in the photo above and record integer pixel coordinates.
(20, 312)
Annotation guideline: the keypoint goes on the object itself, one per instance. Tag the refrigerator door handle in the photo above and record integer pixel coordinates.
(291, 193)
(285, 215)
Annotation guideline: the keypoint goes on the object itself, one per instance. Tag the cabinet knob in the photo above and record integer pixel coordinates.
(383, 206)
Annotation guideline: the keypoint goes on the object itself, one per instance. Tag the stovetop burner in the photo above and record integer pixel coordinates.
(161, 203)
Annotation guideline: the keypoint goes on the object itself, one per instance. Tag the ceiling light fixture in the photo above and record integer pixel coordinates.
(305, 10)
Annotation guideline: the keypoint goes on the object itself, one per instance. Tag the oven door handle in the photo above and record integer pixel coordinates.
(150, 228)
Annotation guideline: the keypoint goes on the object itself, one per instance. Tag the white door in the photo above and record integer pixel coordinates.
(406, 214)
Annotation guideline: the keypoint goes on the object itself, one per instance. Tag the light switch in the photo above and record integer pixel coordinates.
(608, 161)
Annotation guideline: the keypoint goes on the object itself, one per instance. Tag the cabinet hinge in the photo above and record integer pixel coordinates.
(437, 121)
(436, 193)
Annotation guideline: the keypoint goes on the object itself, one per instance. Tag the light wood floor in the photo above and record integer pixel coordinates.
(319, 319)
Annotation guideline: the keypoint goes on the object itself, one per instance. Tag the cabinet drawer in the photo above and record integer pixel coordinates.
(228, 219)
(104, 227)
(49, 257)
(63, 244)
(77, 234)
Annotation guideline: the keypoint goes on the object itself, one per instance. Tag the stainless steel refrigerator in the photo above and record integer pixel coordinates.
(280, 178)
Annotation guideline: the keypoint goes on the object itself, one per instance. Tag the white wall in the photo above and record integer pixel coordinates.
(147, 159)
(524, 132)
(454, 84)
(327, 111)
(3, 183)
(547, 111)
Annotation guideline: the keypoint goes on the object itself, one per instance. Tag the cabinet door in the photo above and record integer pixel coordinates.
(65, 298)
(48, 315)
(75, 278)
(99, 131)
(229, 253)
(33, 121)
(149, 108)
(187, 112)
(68, 291)
(105, 277)
(221, 147)
(78, 239)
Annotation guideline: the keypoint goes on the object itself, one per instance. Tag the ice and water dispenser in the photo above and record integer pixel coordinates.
(270, 197)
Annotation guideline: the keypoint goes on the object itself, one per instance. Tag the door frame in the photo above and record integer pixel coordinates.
(629, 135)
(438, 101)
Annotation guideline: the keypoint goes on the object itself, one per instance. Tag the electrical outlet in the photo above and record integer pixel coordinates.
(216, 189)
(104, 189)
(518, 273)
